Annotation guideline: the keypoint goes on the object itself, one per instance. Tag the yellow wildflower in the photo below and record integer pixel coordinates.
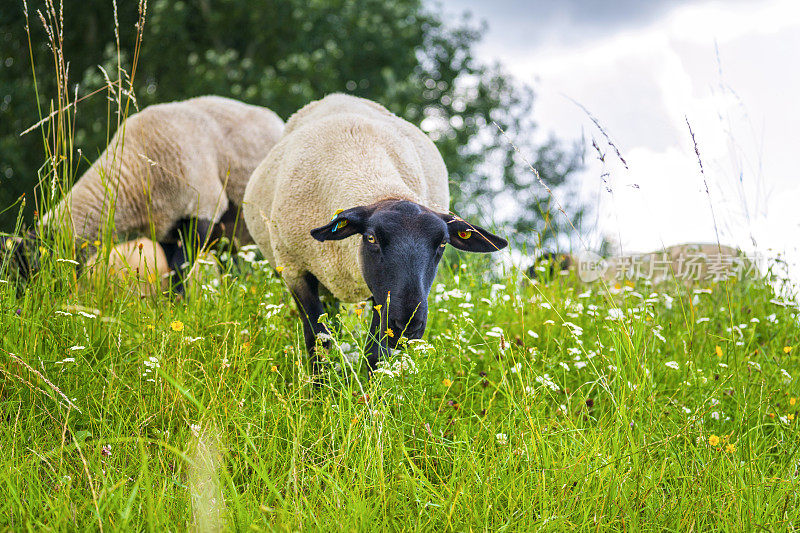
(730, 448)
(389, 332)
(790, 416)
(792, 401)
(84, 245)
(377, 307)
(713, 440)
(97, 243)
(279, 269)
(149, 326)
(446, 382)
(358, 311)
(274, 368)
(787, 349)
(718, 351)
(176, 325)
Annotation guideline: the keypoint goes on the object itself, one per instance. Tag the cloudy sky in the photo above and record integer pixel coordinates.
(642, 68)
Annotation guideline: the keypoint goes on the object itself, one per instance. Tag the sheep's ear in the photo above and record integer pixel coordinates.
(472, 238)
(343, 225)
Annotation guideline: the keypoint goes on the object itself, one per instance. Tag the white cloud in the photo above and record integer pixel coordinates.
(694, 23)
(730, 68)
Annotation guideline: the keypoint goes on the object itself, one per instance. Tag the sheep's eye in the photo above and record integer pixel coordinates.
(371, 239)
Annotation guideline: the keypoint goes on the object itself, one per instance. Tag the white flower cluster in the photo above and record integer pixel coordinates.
(442, 294)
(404, 365)
(150, 365)
(270, 310)
(548, 382)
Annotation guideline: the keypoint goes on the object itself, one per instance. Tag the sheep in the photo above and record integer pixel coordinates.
(175, 172)
(689, 264)
(377, 176)
(142, 263)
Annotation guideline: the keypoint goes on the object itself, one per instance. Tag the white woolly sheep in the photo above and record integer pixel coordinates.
(172, 170)
(378, 176)
(139, 262)
(142, 263)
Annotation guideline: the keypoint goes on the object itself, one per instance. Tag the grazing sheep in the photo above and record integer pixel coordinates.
(689, 264)
(140, 262)
(379, 177)
(175, 171)
(143, 263)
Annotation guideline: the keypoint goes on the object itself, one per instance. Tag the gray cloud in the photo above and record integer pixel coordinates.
(517, 24)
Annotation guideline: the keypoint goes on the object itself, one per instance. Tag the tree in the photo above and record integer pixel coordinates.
(282, 55)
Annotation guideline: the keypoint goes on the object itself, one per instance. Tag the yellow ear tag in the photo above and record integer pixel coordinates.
(341, 224)
(465, 234)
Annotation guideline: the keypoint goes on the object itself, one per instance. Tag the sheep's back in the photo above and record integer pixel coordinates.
(425, 174)
(247, 134)
(172, 161)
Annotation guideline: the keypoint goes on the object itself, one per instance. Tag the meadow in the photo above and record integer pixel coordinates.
(551, 405)
(528, 406)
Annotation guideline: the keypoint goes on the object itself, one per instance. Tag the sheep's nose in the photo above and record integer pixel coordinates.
(412, 328)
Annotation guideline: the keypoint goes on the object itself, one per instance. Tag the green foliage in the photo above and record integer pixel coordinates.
(283, 55)
(527, 407)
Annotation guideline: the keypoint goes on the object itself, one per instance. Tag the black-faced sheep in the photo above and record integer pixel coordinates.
(379, 177)
(174, 171)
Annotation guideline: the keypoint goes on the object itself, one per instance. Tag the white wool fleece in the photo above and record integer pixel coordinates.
(169, 162)
(337, 153)
(146, 267)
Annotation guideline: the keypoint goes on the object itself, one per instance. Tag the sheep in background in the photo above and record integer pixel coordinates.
(175, 171)
(140, 262)
(689, 264)
(377, 176)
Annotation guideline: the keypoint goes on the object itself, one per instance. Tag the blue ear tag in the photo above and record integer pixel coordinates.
(341, 224)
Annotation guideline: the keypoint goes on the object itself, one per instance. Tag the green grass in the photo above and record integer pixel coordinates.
(527, 407)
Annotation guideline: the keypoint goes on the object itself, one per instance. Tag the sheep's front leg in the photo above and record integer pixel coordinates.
(305, 290)
(377, 347)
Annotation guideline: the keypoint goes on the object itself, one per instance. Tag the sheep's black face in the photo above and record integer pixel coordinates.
(400, 251)
(402, 244)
